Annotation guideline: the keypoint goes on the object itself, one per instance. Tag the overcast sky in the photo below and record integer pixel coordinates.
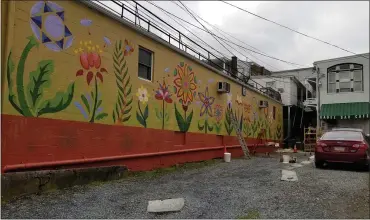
(345, 24)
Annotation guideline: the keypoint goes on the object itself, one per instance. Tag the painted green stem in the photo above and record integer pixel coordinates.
(95, 101)
(141, 114)
(163, 114)
(19, 79)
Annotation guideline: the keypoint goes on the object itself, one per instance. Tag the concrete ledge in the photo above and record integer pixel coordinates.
(18, 184)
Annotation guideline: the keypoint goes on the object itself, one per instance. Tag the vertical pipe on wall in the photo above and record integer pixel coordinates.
(289, 125)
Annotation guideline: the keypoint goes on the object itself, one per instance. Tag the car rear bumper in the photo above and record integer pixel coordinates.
(341, 157)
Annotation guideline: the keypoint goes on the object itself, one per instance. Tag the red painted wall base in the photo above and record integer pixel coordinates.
(40, 143)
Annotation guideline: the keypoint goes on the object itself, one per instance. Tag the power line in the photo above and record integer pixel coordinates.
(220, 31)
(254, 51)
(188, 10)
(283, 26)
(193, 13)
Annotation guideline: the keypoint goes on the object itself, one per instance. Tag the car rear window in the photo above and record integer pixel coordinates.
(342, 135)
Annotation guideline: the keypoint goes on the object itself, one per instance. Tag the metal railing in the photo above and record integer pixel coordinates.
(135, 15)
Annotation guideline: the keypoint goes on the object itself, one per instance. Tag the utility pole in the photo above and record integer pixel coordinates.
(318, 102)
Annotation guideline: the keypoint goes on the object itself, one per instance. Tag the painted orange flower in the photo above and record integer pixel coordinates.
(128, 48)
(90, 61)
(184, 84)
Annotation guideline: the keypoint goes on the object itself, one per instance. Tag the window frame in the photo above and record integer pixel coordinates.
(151, 62)
(274, 112)
(335, 69)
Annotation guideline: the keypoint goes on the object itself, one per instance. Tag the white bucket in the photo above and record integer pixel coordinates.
(286, 158)
(227, 157)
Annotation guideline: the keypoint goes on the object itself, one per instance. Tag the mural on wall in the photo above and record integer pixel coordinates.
(94, 103)
(143, 96)
(185, 90)
(206, 111)
(122, 110)
(47, 24)
(91, 67)
(163, 94)
(229, 111)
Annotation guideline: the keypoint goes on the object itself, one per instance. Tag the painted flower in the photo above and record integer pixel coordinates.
(142, 94)
(128, 48)
(247, 111)
(218, 112)
(185, 85)
(90, 61)
(86, 22)
(207, 103)
(239, 99)
(163, 93)
(247, 108)
(47, 24)
(229, 100)
(106, 41)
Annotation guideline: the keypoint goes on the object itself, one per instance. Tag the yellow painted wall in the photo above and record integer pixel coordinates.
(54, 81)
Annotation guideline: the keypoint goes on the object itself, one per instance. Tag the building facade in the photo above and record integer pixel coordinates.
(344, 92)
(84, 87)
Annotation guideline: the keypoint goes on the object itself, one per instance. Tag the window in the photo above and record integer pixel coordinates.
(357, 80)
(342, 135)
(274, 112)
(345, 77)
(145, 64)
(331, 82)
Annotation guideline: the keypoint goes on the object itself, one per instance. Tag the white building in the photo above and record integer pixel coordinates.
(344, 92)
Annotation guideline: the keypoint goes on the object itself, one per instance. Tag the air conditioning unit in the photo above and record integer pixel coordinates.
(244, 91)
(263, 104)
(223, 87)
(281, 90)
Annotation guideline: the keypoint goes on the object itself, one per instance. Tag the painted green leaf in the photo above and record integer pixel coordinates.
(126, 118)
(157, 113)
(60, 101)
(166, 117)
(39, 80)
(188, 121)
(140, 119)
(99, 103)
(101, 116)
(180, 120)
(200, 127)
(210, 128)
(127, 111)
(86, 103)
(12, 97)
(146, 112)
(114, 116)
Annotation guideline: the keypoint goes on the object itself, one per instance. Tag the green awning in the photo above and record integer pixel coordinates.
(354, 110)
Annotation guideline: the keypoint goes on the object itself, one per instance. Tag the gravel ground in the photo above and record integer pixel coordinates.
(222, 190)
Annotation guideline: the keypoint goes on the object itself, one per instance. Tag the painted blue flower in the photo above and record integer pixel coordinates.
(47, 24)
(106, 41)
(86, 22)
(82, 110)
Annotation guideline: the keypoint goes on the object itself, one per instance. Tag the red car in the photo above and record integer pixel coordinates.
(343, 146)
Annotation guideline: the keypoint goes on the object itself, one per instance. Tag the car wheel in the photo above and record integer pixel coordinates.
(319, 164)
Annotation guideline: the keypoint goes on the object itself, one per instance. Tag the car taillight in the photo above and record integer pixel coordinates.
(360, 146)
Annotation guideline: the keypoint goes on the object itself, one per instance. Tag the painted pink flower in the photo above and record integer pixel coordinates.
(163, 94)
